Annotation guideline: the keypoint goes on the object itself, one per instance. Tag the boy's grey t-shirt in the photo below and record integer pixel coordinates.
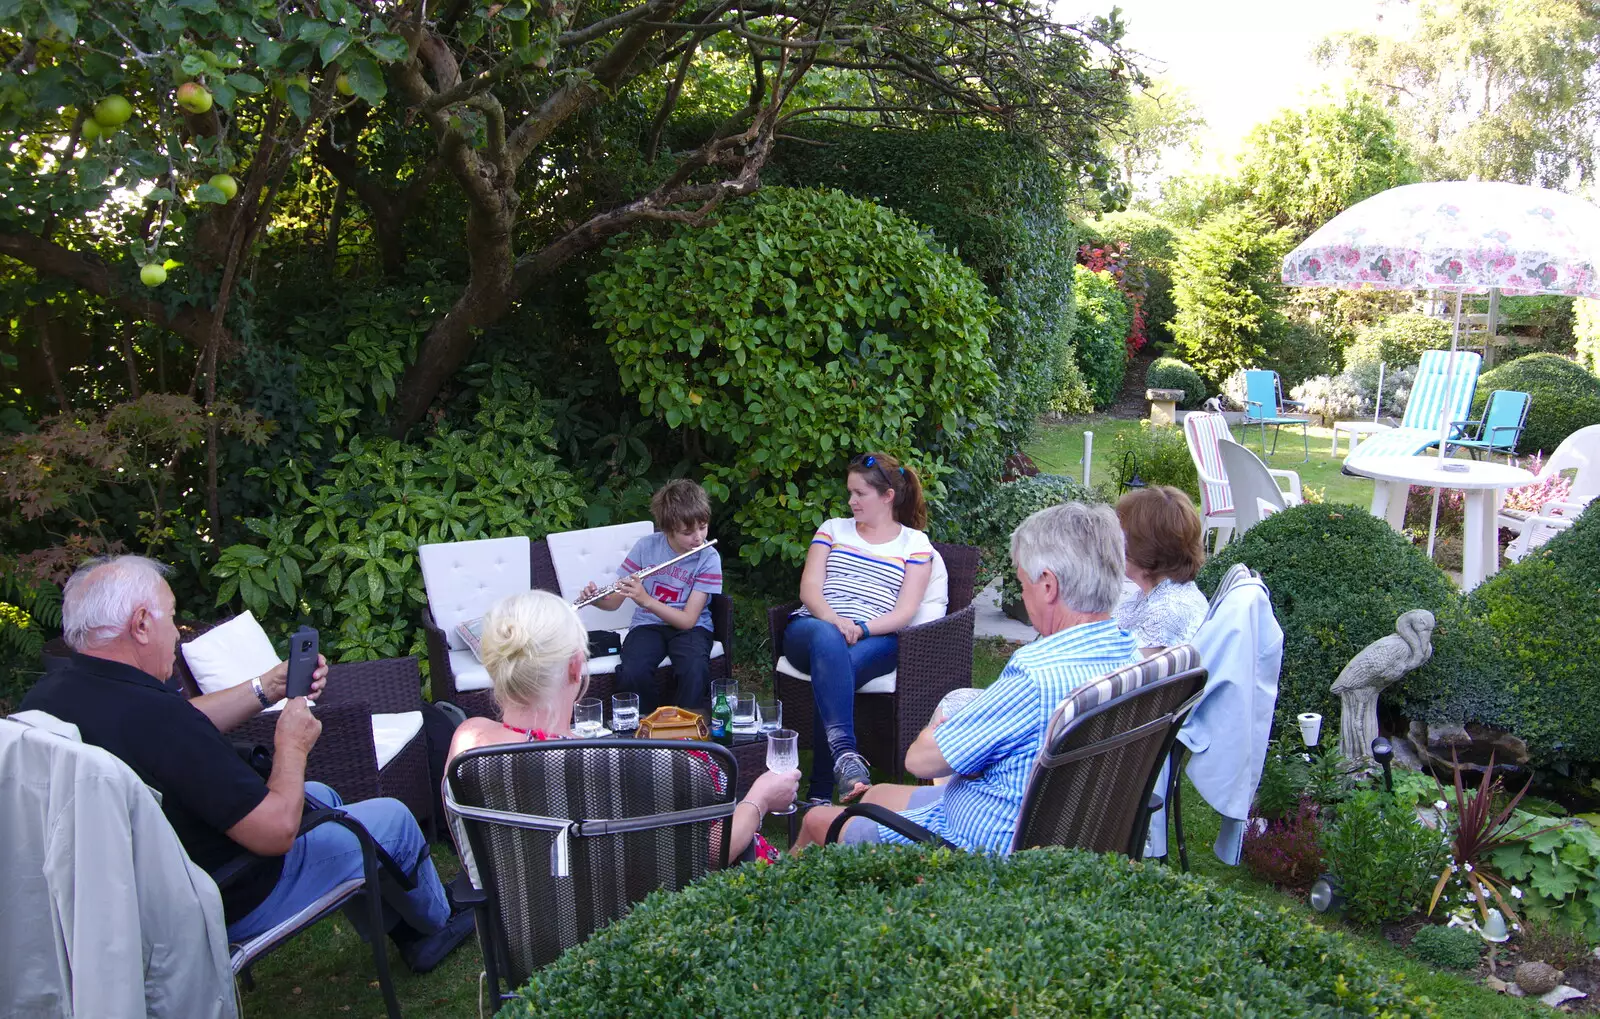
(673, 585)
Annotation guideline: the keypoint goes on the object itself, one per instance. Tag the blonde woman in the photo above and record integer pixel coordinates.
(536, 652)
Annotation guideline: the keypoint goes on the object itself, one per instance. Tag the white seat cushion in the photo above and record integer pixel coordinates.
(594, 553)
(465, 578)
(391, 733)
(227, 655)
(469, 673)
(882, 684)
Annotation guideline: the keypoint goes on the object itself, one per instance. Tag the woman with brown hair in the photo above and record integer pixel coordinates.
(1162, 607)
(864, 577)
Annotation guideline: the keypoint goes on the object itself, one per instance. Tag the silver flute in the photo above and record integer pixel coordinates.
(611, 589)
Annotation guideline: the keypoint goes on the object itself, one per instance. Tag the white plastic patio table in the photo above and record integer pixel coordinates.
(1356, 430)
(1481, 483)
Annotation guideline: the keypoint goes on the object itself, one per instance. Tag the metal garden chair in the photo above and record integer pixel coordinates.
(1263, 405)
(560, 838)
(1500, 428)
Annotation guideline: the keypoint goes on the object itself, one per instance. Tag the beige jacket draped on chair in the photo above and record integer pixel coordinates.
(102, 914)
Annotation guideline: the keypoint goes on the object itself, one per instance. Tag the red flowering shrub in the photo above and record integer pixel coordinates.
(1286, 852)
(1130, 280)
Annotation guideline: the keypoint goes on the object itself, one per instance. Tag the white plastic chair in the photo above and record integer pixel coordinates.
(1578, 452)
(1255, 492)
(1203, 432)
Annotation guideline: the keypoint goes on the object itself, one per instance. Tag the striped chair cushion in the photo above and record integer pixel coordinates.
(1436, 391)
(1204, 431)
(1397, 442)
(1112, 685)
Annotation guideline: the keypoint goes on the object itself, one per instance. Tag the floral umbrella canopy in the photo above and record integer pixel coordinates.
(1461, 236)
(1457, 235)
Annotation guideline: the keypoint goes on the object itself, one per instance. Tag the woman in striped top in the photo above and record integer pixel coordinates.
(864, 578)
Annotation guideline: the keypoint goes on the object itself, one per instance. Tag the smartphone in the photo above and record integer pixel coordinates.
(302, 661)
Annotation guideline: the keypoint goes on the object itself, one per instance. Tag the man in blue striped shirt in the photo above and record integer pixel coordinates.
(1069, 560)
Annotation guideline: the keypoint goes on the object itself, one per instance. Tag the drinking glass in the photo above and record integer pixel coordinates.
(744, 713)
(783, 754)
(769, 715)
(588, 718)
(724, 688)
(624, 712)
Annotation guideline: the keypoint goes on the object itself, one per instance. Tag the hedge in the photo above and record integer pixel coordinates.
(1100, 333)
(1545, 610)
(1565, 397)
(891, 931)
(1171, 373)
(1398, 341)
(1339, 578)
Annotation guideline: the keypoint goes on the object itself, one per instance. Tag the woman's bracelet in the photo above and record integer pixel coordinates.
(759, 812)
(863, 624)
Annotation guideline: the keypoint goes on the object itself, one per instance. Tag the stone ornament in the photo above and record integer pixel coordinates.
(1378, 666)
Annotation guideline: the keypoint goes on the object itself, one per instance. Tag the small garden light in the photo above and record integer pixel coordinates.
(1310, 727)
(1130, 474)
(1383, 753)
(1327, 894)
(1494, 932)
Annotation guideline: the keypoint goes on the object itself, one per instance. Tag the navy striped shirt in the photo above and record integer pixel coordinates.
(992, 742)
(863, 580)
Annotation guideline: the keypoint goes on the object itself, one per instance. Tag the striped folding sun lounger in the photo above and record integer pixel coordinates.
(1438, 393)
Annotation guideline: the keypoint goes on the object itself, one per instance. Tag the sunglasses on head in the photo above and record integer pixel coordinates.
(868, 460)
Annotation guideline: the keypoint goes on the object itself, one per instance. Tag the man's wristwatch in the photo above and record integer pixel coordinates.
(261, 695)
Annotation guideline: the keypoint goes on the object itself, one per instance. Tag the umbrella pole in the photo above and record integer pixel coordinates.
(1444, 419)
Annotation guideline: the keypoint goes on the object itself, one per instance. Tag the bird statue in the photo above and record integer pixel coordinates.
(1379, 665)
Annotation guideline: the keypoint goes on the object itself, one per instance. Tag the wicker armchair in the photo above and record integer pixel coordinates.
(345, 756)
(1104, 748)
(542, 570)
(934, 659)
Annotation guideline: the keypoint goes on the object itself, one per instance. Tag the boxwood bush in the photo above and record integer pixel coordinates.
(887, 931)
(1171, 373)
(990, 527)
(1565, 397)
(1545, 610)
(1447, 947)
(1339, 578)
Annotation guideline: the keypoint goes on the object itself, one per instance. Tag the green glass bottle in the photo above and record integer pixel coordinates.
(722, 720)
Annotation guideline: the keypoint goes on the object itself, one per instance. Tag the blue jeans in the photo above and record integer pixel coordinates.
(329, 855)
(837, 670)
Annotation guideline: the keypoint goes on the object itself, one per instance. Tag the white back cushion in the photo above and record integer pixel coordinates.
(594, 554)
(936, 600)
(227, 655)
(464, 578)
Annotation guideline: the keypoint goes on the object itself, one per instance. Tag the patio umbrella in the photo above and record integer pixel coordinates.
(1456, 236)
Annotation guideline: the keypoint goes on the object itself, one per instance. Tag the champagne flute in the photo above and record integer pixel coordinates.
(783, 754)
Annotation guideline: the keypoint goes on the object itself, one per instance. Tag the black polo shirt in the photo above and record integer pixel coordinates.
(206, 788)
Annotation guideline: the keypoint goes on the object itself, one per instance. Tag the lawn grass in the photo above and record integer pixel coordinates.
(1058, 449)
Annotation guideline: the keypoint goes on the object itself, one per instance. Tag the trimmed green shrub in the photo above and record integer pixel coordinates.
(1546, 611)
(796, 329)
(1398, 341)
(1339, 578)
(1225, 286)
(1100, 334)
(1386, 860)
(997, 201)
(1298, 352)
(1160, 455)
(990, 527)
(1565, 397)
(1447, 947)
(1171, 373)
(891, 931)
(1072, 389)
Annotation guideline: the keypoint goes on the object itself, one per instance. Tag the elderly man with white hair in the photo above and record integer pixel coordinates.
(117, 615)
(1069, 560)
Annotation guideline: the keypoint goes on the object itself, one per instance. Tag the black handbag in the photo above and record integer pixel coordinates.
(604, 642)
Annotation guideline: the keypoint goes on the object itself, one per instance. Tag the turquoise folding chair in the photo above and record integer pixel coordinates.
(1263, 405)
(1500, 428)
